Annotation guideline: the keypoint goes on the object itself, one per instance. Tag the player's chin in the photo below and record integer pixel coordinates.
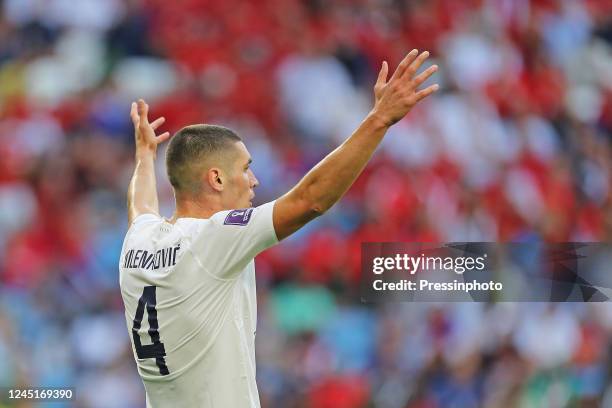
(245, 201)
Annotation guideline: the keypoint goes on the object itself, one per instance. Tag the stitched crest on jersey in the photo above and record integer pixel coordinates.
(238, 217)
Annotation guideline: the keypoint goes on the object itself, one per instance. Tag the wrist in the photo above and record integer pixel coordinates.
(377, 120)
(145, 154)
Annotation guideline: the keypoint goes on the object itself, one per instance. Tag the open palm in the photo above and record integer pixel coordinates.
(144, 132)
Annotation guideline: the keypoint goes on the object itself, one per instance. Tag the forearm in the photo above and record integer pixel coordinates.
(327, 182)
(142, 192)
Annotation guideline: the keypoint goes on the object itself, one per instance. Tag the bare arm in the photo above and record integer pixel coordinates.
(327, 182)
(142, 192)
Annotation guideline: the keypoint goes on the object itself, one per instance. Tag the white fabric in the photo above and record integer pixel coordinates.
(206, 306)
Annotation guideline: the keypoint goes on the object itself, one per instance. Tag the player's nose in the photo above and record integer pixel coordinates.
(254, 181)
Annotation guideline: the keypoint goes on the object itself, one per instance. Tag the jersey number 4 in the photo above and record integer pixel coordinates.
(155, 350)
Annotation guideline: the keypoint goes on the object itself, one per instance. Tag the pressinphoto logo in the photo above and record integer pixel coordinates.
(457, 272)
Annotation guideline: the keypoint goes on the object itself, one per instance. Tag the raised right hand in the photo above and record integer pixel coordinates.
(144, 132)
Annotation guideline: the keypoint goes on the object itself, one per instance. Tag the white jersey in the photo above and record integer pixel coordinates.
(190, 305)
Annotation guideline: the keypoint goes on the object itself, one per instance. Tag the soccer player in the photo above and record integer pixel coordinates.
(188, 282)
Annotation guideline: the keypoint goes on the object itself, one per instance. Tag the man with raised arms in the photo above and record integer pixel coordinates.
(188, 282)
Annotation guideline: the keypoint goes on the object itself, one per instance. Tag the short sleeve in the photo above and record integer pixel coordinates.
(143, 219)
(233, 238)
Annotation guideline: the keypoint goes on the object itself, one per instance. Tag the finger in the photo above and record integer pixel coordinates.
(426, 92)
(143, 111)
(424, 76)
(404, 64)
(134, 114)
(382, 75)
(158, 122)
(416, 64)
(163, 137)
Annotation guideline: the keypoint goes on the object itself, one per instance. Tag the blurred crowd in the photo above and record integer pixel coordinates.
(516, 146)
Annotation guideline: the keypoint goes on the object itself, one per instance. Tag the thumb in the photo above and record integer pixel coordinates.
(134, 114)
(382, 75)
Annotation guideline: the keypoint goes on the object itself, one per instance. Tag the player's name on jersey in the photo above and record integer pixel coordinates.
(141, 258)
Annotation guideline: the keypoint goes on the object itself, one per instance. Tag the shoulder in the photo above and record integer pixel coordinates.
(142, 227)
(143, 220)
(243, 216)
(239, 216)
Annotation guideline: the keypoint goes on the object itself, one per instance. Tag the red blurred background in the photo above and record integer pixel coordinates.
(515, 147)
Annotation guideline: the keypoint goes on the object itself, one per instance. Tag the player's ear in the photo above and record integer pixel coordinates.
(216, 179)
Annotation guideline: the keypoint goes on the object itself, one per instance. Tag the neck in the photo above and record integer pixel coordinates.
(203, 207)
